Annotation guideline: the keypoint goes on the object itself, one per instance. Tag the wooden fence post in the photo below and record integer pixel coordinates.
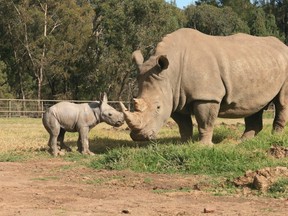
(9, 108)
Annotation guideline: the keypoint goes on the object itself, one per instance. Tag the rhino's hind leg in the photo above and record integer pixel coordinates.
(53, 148)
(206, 113)
(61, 141)
(53, 128)
(79, 144)
(185, 125)
(253, 125)
(281, 115)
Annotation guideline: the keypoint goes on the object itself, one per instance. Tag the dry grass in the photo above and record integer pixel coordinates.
(21, 133)
(29, 134)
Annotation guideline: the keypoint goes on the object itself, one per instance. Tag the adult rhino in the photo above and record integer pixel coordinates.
(209, 76)
(66, 116)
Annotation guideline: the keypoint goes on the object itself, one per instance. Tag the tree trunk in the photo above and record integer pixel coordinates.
(42, 62)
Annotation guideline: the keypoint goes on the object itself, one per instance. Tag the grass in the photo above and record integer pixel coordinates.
(25, 139)
(279, 188)
(228, 160)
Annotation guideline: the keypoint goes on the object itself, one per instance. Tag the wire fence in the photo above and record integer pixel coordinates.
(33, 108)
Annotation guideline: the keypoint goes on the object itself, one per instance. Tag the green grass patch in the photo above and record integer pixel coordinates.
(20, 155)
(279, 188)
(228, 161)
(225, 159)
(12, 157)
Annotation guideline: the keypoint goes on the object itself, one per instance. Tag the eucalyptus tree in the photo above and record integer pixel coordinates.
(214, 21)
(251, 15)
(120, 27)
(4, 86)
(11, 49)
(279, 9)
(42, 41)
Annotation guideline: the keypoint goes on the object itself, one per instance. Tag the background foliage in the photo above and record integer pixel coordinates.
(75, 49)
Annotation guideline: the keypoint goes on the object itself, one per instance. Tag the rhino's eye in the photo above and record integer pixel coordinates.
(110, 114)
(158, 107)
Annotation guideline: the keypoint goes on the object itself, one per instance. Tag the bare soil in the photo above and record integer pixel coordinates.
(56, 187)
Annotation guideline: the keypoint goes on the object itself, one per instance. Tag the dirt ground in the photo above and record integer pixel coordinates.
(56, 187)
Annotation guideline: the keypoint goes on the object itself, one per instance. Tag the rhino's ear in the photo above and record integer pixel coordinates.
(103, 97)
(162, 62)
(137, 57)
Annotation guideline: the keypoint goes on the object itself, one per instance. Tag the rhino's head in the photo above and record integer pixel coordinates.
(153, 105)
(108, 114)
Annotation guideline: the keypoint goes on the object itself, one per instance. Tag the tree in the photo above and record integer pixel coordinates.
(214, 21)
(41, 41)
(258, 23)
(4, 86)
(120, 27)
(251, 16)
(215, 3)
(10, 49)
(54, 49)
(278, 9)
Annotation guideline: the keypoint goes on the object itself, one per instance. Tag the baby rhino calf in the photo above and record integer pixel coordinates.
(66, 116)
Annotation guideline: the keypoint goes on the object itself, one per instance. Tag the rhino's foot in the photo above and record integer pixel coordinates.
(206, 141)
(66, 148)
(277, 129)
(56, 153)
(61, 153)
(248, 135)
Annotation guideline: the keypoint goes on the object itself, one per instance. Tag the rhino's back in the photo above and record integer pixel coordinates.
(70, 115)
(242, 72)
(253, 70)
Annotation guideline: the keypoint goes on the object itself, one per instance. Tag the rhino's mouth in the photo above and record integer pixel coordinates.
(135, 123)
(136, 135)
(118, 124)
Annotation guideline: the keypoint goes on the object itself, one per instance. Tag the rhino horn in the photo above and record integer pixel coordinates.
(138, 58)
(132, 119)
(123, 108)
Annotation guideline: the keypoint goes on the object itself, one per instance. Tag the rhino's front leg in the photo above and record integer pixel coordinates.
(185, 125)
(83, 134)
(206, 113)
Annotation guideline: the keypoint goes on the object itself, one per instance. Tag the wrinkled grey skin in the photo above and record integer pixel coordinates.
(209, 76)
(81, 118)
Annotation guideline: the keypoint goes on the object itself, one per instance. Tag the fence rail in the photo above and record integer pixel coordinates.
(35, 108)
(32, 108)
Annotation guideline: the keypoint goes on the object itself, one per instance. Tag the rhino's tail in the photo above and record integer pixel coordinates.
(48, 118)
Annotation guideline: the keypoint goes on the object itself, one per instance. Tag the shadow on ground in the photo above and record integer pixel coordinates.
(102, 145)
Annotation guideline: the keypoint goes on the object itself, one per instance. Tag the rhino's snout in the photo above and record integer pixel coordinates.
(120, 120)
(119, 123)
